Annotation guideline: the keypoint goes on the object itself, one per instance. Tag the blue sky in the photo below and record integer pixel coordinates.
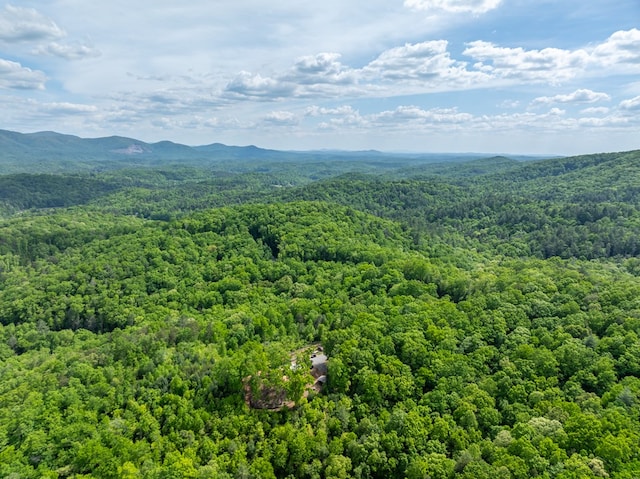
(508, 76)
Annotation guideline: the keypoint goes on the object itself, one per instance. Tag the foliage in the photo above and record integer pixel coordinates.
(457, 347)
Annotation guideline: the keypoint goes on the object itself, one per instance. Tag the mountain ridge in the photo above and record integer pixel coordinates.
(50, 139)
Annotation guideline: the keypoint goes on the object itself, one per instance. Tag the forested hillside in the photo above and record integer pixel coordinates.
(583, 207)
(481, 319)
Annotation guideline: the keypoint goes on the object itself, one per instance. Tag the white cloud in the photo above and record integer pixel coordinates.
(602, 122)
(418, 68)
(181, 100)
(632, 104)
(579, 96)
(403, 117)
(550, 65)
(454, 6)
(412, 119)
(199, 122)
(320, 68)
(281, 118)
(620, 53)
(320, 75)
(596, 110)
(557, 112)
(414, 114)
(32, 115)
(19, 24)
(315, 110)
(15, 76)
(412, 68)
(68, 51)
(413, 61)
(622, 47)
(238, 70)
(27, 25)
(248, 85)
(65, 108)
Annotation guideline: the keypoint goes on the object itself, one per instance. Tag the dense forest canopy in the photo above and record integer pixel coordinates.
(481, 318)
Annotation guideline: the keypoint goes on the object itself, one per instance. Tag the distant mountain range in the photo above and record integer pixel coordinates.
(53, 152)
(48, 143)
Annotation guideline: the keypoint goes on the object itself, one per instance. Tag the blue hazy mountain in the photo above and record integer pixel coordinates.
(51, 152)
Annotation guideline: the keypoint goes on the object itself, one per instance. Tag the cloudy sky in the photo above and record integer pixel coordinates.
(512, 76)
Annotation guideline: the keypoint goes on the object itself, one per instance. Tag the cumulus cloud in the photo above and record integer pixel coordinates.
(67, 51)
(320, 63)
(547, 65)
(66, 108)
(595, 110)
(315, 110)
(415, 119)
(429, 66)
(320, 68)
(401, 118)
(313, 75)
(610, 121)
(281, 118)
(420, 60)
(247, 84)
(338, 117)
(619, 53)
(633, 104)
(15, 76)
(31, 114)
(19, 24)
(425, 66)
(579, 96)
(390, 60)
(411, 113)
(454, 6)
(197, 122)
(622, 47)
(180, 100)
(27, 25)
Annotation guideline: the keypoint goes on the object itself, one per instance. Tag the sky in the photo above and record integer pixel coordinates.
(494, 76)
